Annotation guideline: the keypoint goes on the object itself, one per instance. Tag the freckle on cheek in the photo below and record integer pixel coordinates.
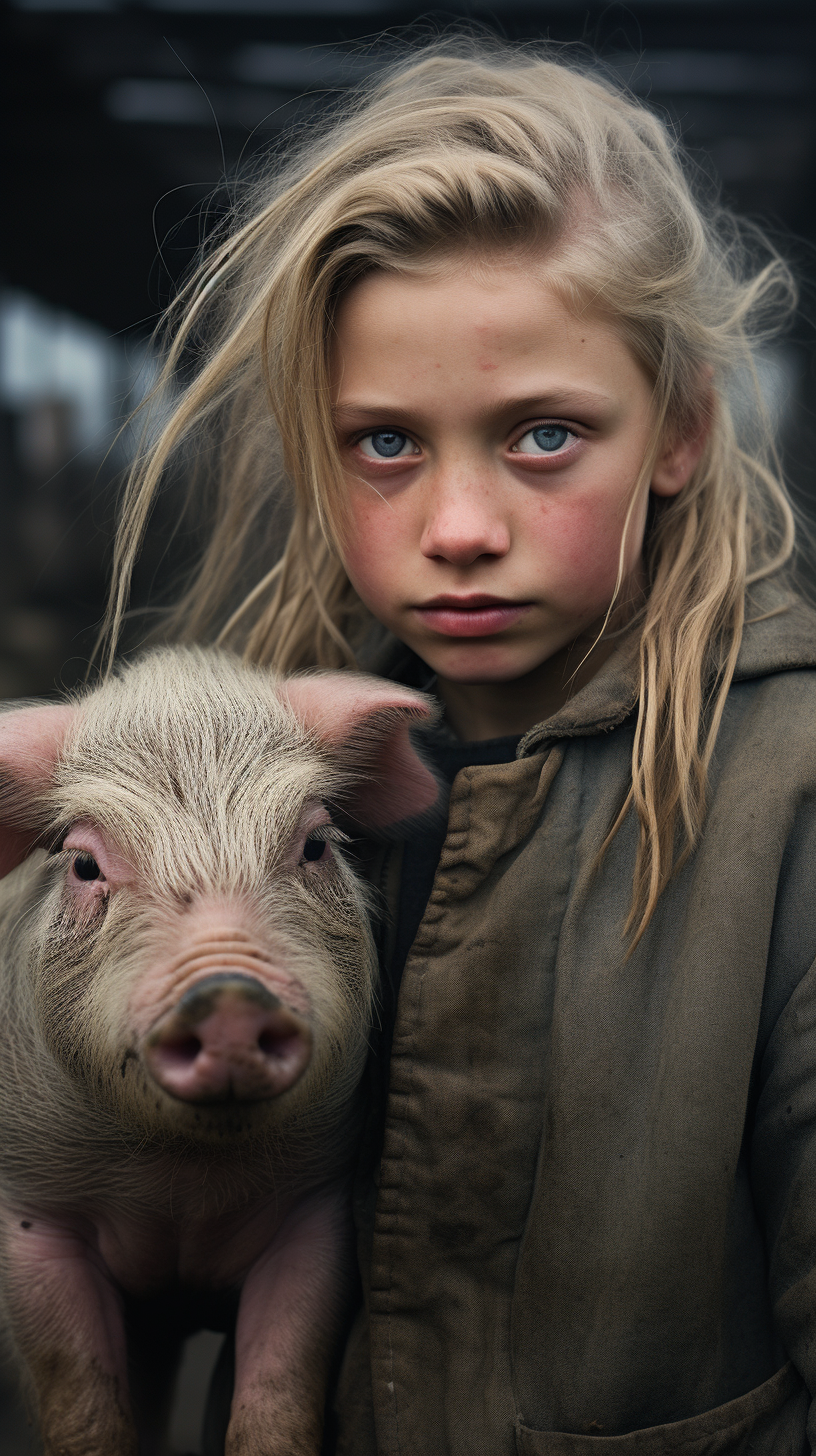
(582, 545)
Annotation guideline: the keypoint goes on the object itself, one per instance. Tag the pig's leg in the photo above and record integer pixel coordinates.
(66, 1320)
(289, 1318)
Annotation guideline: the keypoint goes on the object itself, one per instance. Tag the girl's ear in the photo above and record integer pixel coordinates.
(363, 723)
(678, 457)
(30, 744)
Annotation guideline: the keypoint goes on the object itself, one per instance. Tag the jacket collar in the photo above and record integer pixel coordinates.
(779, 636)
(608, 699)
(780, 633)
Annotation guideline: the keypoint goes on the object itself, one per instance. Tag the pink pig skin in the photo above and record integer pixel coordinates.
(186, 992)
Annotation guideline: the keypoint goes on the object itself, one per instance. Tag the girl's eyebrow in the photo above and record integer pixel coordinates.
(566, 400)
(552, 401)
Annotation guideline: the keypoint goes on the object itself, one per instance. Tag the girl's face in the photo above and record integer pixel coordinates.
(491, 442)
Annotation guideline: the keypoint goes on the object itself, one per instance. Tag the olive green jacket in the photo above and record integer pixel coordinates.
(593, 1227)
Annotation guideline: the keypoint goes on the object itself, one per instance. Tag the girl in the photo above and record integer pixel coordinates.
(481, 325)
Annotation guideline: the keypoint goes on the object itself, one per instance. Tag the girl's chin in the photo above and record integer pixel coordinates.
(472, 669)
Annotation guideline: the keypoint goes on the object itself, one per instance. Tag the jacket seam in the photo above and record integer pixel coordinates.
(403, 1117)
(556, 954)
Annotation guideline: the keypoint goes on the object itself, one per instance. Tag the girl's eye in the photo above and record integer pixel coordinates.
(315, 849)
(86, 867)
(544, 440)
(387, 445)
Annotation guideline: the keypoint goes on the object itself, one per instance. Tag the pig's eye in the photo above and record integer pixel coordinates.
(86, 867)
(317, 848)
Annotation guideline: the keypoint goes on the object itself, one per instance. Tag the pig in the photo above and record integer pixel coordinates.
(187, 984)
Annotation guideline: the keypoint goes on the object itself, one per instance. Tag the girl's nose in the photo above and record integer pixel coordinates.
(463, 525)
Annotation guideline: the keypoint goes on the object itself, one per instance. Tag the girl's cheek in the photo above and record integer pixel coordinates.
(370, 585)
(573, 533)
(584, 542)
(376, 553)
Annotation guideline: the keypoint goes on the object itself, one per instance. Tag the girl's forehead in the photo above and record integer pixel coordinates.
(490, 270)
(458, 326)
(473, 291)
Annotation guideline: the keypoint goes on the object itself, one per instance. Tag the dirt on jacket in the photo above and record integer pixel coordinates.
(593, 1224)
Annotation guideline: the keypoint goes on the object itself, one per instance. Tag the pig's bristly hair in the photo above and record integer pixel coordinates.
(195, 767)
(200, 738)
(206, 778)
(200, 772)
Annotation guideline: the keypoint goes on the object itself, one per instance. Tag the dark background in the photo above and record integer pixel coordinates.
(121, 122)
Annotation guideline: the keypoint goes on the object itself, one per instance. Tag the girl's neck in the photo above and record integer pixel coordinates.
(478, 711)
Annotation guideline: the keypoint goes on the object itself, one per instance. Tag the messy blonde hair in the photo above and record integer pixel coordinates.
(478, 147)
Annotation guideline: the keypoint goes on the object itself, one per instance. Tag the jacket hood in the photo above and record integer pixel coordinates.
(779, 636)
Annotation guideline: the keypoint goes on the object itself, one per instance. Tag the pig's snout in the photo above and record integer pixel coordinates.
(228, 1038)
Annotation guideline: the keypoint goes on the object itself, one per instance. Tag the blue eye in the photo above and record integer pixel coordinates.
(544, 440)
(386, 445)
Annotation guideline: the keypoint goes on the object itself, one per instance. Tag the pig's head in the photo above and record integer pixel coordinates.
(197, 949)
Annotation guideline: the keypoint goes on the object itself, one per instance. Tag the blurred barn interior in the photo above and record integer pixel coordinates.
(124, 119)
(122, 122)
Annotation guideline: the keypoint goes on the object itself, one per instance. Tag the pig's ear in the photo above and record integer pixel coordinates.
(30, 743)
(364, 721)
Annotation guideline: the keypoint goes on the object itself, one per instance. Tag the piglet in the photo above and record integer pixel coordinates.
(187, 983)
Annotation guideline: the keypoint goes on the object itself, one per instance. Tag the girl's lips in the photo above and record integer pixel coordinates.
(476, 621)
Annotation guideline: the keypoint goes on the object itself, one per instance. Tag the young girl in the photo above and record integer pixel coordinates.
(482, 327)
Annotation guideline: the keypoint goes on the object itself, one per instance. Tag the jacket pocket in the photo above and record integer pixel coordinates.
(768, 1421)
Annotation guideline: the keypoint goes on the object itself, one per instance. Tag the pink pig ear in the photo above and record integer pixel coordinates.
(365, 721)
(30, 743)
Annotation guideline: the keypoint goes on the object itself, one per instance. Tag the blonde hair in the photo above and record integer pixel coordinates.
(479, 147)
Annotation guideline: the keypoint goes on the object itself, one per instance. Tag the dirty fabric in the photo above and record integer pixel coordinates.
(593, 1223)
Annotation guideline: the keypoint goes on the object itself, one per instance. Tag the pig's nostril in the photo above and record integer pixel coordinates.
(181, 1052)
(228, 1038)
(272, 1044)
